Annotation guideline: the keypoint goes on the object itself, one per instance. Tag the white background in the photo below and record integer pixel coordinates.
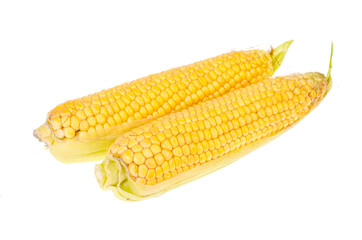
(307, 184)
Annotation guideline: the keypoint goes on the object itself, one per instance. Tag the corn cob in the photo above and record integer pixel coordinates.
(182, 146)
(82, 129)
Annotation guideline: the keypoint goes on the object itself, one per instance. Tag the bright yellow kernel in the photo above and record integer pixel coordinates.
(104, 111)
(92, 121)
(301, 98)
(145, 143)
(214, 132)
(200, 148)
(81, 115)
(168, 133)
(151, 174)
(165, 167)
(159, 158)
(161, 136)
(147, 153)
(167, 154)
(159, 172)
(191, 160)
(142, 170)
(178, 162)
(129, 110)
(166, 144)
(193, 148)
(181, 140)
(254, 116)
(154, 140)
(127, 99)
(217, 143)
(174, 141)
(132, 142)
(111, 121)
(133, 169)
(95, 108)
(135, 106)
(123, 115)
(127, 156)
(101, 119)
(188, 138)
(296, 91)
(136, 148)
(84, 125)
(188, 127)
(208, 156)
(151, 163)
(65, 120)
(172, 164)
(208, 134)
(275, 109)
(155, 149)
(184, 161)
(138, 115)
(195, 137)
(177, 151)
(188, 101)
(211, 144)
(121, 103)
(88, 111)
(69, 132)
(186, 150)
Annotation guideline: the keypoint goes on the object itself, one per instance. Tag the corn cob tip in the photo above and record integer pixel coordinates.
(43, 134)
(278, 54)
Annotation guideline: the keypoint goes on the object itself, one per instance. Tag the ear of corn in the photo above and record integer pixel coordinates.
(83, 129)
(186, 145)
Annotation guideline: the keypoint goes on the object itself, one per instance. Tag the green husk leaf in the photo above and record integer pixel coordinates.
(278, 54)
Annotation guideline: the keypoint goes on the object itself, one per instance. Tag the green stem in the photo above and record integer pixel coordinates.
(329, 78)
